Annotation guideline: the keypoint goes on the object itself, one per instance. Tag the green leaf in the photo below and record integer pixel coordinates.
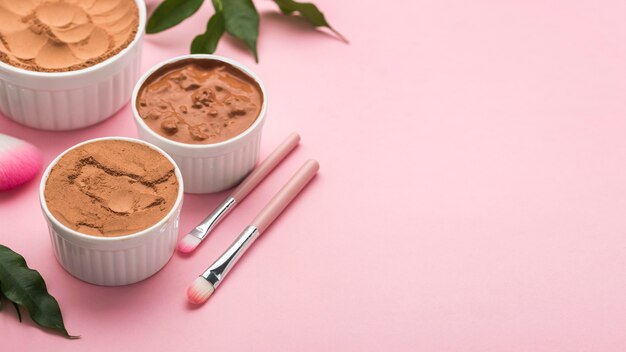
(241, 20)
(207, 43)
(17, 309)
(309, 11)
(170, 13)
(217, 4)
(27, 288)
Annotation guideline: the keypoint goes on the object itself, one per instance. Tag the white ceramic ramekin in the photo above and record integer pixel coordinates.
(208, 168)
(58, 101)
(114, 261)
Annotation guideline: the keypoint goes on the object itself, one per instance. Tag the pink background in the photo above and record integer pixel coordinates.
(471, 195)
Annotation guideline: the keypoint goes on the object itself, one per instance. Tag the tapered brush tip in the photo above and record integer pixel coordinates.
(19, 162)
(188, 244)
(200, 291)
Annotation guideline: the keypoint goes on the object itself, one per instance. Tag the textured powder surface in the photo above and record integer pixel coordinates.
(199, 101)
(111, 188)
(64, 35)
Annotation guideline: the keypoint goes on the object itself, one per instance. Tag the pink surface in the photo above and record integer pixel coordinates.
(471, 195)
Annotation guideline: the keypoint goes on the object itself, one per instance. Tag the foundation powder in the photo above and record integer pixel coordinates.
(64, 35)
(111, 188)
(199, 101)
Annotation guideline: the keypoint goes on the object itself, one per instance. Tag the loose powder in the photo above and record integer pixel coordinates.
(64, 35)
(111, 188)
(199, 101)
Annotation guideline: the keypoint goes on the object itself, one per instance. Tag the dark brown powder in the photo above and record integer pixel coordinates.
(199, 101)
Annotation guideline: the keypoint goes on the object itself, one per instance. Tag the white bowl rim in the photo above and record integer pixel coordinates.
(144, 232)
(259, 120)
(141, 6)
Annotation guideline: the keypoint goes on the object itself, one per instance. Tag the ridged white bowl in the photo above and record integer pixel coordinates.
(58, 101)
(114, 261)
(208, 168)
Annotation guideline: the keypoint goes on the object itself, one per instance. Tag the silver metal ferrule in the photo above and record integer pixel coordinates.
(208, 224)
(216, 273)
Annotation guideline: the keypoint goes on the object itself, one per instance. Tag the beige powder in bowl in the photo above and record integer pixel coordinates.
(111, 188)
(64, 35)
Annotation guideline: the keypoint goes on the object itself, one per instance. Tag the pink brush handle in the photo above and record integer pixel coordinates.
(285, 195)
(259, 173)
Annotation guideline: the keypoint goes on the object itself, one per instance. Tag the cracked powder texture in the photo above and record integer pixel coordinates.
(199, 101)
(111, 188)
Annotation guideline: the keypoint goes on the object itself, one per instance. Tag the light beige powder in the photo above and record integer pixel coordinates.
(64, 35)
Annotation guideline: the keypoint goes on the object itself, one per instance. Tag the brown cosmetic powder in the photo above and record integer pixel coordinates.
(199, 101)
(111, 188)
(64, 35)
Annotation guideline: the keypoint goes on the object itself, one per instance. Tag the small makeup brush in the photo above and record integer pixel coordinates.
(193, 239)
(19, 162)
(205, 284)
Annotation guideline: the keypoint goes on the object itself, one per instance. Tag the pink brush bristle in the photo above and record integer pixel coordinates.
(200, 291)
(188, 244)
(19, 162)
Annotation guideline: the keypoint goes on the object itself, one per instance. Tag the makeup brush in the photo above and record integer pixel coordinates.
(19, 162)
(193, 239)
(205, 284)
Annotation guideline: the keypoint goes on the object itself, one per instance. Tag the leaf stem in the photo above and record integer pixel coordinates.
(343, 39)
(17, 309)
